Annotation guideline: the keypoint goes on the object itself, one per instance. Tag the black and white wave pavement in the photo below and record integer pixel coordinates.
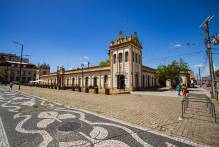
(28, 121)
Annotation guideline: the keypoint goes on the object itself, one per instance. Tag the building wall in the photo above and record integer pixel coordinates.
(136, 66)
(12, 72)
(135, 75)
(120, 68)
(75, 79)
(149, 80)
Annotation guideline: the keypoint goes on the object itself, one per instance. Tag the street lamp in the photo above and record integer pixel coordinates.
(21, 60)
(82, 75)
(215, 39)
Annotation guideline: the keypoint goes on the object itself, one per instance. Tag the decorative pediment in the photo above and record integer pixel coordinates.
(123, 40)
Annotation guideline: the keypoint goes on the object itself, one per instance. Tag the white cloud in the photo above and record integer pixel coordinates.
(199, 65)
(85, 57)
(175, 45)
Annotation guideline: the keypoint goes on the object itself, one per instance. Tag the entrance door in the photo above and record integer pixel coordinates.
(136, 81)
(105, 81)
(120, 81)
(86, 82)
(95, 82)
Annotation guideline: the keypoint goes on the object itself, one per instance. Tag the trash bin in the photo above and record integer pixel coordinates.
(96, 90)
(107, 91)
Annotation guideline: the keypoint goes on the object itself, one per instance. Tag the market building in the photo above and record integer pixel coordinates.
(125, 70)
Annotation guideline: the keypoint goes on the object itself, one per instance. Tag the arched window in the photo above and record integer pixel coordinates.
(120, 57)
(86, 81)
(126, 56)
(67, 82)
(114, 58)
(148, 81)
(95, 82)
(105, 81)
(136, 58)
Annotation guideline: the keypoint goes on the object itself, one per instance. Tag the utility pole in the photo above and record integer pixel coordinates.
(199, 73)
(82, 75)
(205, 25)
(21, 60)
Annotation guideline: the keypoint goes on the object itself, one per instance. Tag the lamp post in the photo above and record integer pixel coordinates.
(82, 75)
(21, 60)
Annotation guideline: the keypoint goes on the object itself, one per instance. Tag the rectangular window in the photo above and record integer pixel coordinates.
(136, 58)
(114, 58)
(120, 57)
(126, 56)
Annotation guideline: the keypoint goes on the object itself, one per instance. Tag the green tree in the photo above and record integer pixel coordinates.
(171, 71)
(104, 62)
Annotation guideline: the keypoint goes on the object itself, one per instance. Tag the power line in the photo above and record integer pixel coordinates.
(215, 48)
(179, 55)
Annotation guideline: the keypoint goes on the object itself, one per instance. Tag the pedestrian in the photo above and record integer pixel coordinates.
(179, 88)
(184, 90)
(11, 86)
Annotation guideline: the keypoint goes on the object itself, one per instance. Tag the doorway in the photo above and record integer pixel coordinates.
(95, 82)
(136, 81)
(86, 82)
(120, 81)
(105, 81)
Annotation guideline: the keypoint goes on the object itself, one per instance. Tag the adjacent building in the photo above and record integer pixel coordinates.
(10, 64)
(125, 70)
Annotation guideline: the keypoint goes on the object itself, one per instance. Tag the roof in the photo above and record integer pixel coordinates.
(148, 69)
(79, 70)
(17, 62)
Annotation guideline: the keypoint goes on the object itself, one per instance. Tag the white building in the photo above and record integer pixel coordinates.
(124, 71)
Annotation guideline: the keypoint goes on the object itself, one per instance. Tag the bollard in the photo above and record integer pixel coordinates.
(182, 108)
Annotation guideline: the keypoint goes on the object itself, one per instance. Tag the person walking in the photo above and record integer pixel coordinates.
(11, 86)
(184, 90)
(179, 89)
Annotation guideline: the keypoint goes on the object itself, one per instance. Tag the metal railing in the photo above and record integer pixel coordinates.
(209, 105)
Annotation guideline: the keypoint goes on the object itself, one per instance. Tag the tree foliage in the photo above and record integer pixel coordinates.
(172, 71)
(104, 62)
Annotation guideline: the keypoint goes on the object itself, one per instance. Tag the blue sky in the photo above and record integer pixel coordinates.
(70, 32)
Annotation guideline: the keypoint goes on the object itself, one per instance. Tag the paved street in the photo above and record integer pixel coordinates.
(27, 121)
